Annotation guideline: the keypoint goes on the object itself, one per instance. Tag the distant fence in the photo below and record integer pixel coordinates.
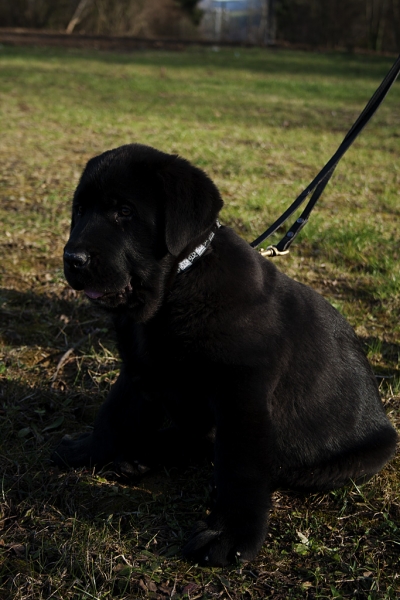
(40, 37)
(34, 37)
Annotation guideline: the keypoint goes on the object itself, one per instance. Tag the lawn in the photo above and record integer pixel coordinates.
(261, 123)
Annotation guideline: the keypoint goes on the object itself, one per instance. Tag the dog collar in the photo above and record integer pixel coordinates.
(186, 263)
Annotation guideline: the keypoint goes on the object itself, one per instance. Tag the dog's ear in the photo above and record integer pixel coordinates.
(192, 203)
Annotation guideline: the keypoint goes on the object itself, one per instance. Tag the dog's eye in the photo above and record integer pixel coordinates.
(79, 210)
(125, 211)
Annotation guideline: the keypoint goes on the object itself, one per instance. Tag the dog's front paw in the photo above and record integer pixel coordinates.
(73, 452)
(220, 546)
(130, 470)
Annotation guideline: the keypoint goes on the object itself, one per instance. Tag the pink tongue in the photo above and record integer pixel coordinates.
(93, 295)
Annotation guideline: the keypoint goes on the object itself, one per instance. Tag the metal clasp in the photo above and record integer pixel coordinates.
(273, 251)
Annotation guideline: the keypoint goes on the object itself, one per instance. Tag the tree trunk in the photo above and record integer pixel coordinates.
(77, 15)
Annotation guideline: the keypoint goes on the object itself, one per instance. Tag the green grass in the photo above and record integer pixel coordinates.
(261, 123)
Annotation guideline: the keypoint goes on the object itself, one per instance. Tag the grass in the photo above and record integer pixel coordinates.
(261, 123)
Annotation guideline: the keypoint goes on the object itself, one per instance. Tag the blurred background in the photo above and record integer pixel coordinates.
(349, 24)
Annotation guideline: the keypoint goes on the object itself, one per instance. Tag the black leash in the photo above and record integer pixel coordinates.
(318, 184)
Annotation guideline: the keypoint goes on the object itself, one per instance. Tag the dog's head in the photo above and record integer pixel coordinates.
(136, 213)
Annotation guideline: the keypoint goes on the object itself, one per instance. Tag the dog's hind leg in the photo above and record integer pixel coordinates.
(357, 464)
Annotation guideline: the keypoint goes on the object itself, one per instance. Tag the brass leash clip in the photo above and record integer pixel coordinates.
(273, 251)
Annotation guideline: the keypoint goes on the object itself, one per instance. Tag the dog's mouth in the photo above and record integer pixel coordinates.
(112, 298)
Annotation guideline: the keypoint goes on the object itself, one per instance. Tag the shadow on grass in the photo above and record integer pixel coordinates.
(52, 320)
(66, 528)
(73, 505)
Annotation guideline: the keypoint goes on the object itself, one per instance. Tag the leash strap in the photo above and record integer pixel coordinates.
(319, 183)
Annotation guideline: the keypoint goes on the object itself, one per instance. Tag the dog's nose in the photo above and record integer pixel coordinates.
(76, 260)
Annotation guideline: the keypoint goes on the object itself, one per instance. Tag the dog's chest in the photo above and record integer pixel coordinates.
(158, 347)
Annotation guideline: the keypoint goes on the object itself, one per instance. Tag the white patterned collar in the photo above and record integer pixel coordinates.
(186, 263)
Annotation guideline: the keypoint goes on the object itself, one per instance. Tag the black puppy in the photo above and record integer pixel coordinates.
(214, 337)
